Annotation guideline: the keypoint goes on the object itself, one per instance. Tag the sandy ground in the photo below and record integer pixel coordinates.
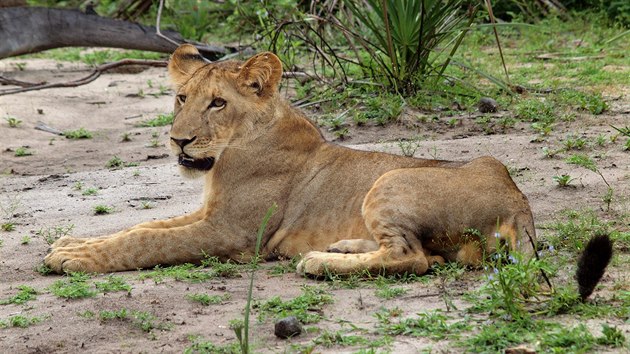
(38, 192)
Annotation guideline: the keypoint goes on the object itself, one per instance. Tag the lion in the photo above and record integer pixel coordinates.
(344, 211)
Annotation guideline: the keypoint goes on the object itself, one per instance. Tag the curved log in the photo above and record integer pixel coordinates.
(25, 30)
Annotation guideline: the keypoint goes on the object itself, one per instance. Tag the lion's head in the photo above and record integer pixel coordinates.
(217, 104)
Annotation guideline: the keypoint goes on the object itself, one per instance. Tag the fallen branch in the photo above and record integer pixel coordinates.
(26, 30)
(13, 82)
(96, 72)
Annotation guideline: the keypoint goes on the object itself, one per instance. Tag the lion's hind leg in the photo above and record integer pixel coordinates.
(384, 261)
(392, 223)
(388, 259)
(378, 262)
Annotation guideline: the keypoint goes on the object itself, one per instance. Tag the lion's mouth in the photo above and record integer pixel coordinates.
(203, 164)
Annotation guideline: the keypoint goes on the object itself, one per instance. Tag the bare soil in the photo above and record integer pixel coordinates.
(38, 192)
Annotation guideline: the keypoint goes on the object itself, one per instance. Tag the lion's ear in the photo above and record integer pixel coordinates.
(184, 62)
(261, 74)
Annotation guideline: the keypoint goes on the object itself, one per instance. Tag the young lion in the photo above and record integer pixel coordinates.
(346, 211)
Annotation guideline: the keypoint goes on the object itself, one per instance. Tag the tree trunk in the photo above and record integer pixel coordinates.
(25, 30)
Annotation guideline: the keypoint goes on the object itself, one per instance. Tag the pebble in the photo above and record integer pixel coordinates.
(288, 327)
(487, 105)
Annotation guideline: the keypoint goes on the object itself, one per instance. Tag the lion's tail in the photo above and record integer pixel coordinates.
(592, 264)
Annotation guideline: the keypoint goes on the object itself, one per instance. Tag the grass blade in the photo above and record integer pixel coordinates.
(496, 36)
(261, 231)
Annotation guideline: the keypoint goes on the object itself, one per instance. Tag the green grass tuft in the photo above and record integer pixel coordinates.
(75, 286)
(201, 346)
(143, 320)
(80, 133)
(102, 209)
(8, 226)
(305, 307)
(210, 268)
(23, 151)
(25, 294)
(206, 299)
(13, 122)
(159, 121)
(434, 325)
(19, 321)
(113, 283)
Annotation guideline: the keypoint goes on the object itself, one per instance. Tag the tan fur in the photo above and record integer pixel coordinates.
(373, 212)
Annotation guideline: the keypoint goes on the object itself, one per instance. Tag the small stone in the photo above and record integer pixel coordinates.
(487, 105)
(288, 327)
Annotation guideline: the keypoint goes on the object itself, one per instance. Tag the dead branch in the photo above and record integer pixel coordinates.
(26, 30)
(96, 72)
(13, 82)
(48, 129)
(296, 75)
(157, 24)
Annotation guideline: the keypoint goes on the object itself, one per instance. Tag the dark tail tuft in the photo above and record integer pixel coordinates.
(592, 264)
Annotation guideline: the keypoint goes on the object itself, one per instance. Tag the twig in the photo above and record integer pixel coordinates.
(542, 271)
(13, 82)
(229, 56)
(43, 127)
(157, 25)
(314, 103)
(89, 78)
(203, 48)
(296, 75)
(559, 56)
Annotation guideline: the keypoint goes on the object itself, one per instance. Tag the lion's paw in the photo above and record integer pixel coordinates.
(68, 259)
(321, 264)
(310, 264)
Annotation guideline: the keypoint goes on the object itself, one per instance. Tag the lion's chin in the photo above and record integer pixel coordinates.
(193, 168)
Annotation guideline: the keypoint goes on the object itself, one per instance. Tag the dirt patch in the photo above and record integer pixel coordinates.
(46, 190)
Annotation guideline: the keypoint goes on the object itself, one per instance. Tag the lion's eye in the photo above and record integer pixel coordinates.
(181, 99)
(217, 103)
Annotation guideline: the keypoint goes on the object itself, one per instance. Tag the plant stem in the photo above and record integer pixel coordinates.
(261, 230)
(496, 36)
(390, 47)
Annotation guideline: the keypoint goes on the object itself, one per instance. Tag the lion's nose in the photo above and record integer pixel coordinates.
(183, 142)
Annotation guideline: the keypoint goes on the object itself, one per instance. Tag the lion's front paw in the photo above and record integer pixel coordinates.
(313, 263)
(70, 259)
